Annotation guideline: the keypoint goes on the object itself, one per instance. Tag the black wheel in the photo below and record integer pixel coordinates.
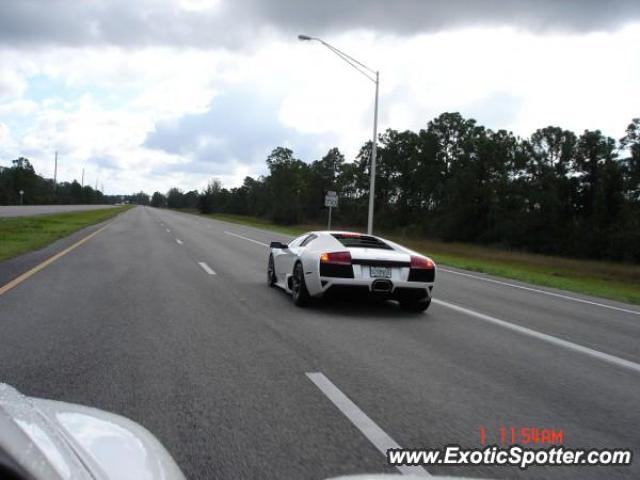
(413, 305)
(299, 287)
(271, 272)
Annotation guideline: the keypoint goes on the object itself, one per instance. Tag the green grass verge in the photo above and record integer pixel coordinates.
(20, 235)
(615, 281)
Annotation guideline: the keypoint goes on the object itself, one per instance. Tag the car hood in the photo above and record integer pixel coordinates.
(63, 441)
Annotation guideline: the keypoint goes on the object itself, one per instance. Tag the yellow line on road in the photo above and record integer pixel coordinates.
(21, 278)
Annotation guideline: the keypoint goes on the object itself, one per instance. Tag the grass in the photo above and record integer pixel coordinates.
(615, 281)
(20, 235)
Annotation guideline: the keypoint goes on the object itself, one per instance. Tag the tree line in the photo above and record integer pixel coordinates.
(37, 190)
(555, 192)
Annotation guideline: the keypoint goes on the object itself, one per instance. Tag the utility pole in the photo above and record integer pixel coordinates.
(374, 149)
(374, 76)
(82, 182)
(55, 171)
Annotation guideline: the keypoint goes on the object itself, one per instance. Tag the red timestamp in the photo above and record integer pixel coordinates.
(510, 435)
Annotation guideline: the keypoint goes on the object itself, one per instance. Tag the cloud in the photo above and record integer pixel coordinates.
(239, 128)
(241, 23)
(11, 84)
(118, 22)
(4, 131)
(144, 96)
(423, 16)
(106, 162)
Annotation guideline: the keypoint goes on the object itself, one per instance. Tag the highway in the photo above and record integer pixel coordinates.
(166, 318)
(28, 210)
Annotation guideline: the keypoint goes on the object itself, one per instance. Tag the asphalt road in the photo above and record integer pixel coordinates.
(216, 364)
(28, 210)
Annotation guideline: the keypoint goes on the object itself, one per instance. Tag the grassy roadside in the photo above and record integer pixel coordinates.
(20, 235)
(615, 281)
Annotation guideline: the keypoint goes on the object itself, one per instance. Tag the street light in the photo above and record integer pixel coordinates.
(374, 76)
(21, 192)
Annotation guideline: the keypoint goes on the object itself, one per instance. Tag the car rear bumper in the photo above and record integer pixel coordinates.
(377, 287)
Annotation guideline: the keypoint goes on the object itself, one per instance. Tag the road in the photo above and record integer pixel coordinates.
(28, 210)
(166, 318)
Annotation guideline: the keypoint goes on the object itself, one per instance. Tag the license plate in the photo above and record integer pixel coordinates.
(380, 272)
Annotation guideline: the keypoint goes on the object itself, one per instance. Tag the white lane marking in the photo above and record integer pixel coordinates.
(206, 268)
(537, 290)
(168, 231)
(247, 239)
(178, 241)
(621, 362)
(368, 427)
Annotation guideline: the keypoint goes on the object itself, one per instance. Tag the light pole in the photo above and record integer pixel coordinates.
(21, 192)
(374, 76)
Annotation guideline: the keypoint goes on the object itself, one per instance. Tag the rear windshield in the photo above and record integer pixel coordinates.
(361, 241)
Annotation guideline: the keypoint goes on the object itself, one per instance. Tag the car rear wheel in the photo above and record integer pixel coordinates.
(299, 287)
(271, 272)
(413, 305)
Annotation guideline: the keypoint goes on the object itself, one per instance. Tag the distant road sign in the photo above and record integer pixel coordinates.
(331, 199)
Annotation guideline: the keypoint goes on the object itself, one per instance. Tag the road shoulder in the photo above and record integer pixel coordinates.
(16, 266)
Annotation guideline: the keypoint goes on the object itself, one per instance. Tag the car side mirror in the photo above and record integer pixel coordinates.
(280, 245)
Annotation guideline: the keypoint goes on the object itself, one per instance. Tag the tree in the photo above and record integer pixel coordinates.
(158, 200)
(175, 198)
(324, 175)
(286, 184)
(460, 213)
(631, 142)
(139, 198)
(210, 198)
(554, 192)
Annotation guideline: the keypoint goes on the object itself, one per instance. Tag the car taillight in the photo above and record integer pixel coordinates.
(421, 262)
(337, 258)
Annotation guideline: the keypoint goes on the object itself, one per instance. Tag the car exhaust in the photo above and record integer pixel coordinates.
(381, 286)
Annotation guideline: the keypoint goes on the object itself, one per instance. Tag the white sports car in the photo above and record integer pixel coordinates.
(321, 263)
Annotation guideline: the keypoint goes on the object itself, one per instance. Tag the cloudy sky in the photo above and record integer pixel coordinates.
(149, 94)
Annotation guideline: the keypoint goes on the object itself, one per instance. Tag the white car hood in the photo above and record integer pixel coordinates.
(57, 440)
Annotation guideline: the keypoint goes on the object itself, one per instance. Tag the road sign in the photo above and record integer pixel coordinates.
(331, 199)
